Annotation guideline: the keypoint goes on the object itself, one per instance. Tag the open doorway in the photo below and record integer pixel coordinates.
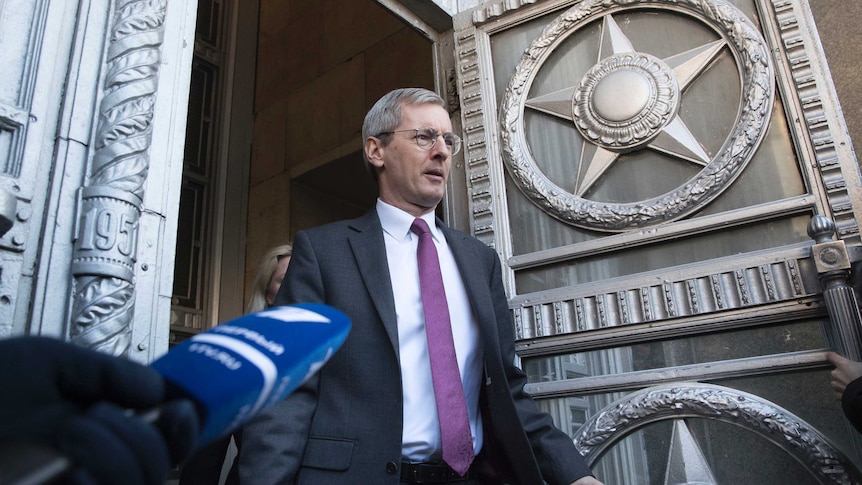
(320, 67)
(337, 190)
(282, 119)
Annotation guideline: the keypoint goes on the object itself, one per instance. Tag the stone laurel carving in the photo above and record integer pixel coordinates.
(694, 400)
(103, 261)
(753, 59)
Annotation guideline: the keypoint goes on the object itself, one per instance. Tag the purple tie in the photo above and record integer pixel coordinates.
(457, 441)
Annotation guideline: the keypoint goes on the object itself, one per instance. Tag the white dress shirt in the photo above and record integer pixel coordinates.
(421, 434)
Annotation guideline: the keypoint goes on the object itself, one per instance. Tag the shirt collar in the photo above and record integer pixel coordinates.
(397, 223)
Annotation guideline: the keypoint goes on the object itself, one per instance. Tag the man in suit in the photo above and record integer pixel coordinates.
(370, 416)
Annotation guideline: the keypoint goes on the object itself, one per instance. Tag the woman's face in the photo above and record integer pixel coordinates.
(275, 279)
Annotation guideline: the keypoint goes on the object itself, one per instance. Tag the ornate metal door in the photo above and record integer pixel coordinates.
(91, 94)
(649, 171)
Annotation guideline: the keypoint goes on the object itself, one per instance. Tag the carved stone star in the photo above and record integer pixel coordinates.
(686, 463)
(628, 101)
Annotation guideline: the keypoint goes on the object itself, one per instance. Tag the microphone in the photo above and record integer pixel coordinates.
(235, 370)
(230, 372)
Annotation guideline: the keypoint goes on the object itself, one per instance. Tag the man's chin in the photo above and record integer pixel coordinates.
(432, 202)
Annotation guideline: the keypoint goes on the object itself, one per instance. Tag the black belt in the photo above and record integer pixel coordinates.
(433, 473)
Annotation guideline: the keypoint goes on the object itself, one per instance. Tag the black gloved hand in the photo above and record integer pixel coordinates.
(77, 401)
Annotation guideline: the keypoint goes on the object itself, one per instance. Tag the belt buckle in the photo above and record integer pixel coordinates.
(427, 473)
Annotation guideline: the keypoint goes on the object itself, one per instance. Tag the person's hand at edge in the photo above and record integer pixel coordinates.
(845, 372)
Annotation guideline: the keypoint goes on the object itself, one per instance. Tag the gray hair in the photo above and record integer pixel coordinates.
(385, 115)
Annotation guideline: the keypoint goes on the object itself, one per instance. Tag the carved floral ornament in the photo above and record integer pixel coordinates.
(105, 252)
(646, 117)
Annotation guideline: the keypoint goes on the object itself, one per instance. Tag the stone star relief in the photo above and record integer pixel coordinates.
(647, 116)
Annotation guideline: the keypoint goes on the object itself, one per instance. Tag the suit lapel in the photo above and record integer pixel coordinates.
(475, 281)
(505, 441)
(369, 252)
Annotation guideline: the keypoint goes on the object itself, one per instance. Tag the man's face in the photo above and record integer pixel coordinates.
(409, 177)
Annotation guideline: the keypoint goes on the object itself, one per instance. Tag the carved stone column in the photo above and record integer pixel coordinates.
(844, 330)
(110, 202)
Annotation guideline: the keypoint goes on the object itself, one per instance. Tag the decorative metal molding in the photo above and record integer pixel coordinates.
(109, 209)
(807, 92)
(476, 152)
(731, 289)
(695, 400)
(788, 18)
(496, 9)
(15, 119)
(617, 131)
(761, 365)
(844, 330)
(12, 118)
(574, 312)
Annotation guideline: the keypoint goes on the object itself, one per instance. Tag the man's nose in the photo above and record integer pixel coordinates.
(441, 147)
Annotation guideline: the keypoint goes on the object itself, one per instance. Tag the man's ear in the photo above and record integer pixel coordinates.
(374, 151)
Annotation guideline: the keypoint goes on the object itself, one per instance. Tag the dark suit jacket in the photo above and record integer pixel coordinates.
(851, 402)
(344, 425)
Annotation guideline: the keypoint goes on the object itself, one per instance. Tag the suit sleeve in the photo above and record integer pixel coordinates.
(558, 459)
(851, 402)
(274, 441)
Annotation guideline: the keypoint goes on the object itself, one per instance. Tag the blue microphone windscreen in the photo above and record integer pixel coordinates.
(237, 369)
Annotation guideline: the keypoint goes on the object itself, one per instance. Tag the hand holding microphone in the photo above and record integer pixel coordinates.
(65, 402)
(110, 420)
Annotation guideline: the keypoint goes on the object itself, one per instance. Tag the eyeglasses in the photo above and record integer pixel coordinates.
(426, 138)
